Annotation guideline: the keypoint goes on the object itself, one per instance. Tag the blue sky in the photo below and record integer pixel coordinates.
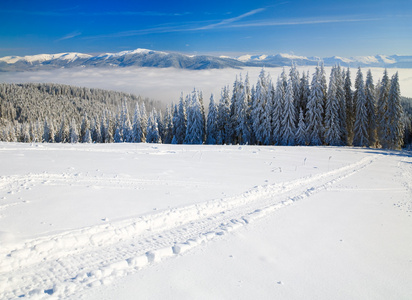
(310, 28)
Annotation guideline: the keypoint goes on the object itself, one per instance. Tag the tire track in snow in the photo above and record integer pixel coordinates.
(67, 263)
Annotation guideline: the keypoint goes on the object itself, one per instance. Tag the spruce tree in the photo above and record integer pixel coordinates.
(340, 96)
(211, 126)
(360, 130)
(64, 133)
(160, 124)
(244, 126)
(117, 135)
(84, 128)
(251, 116)
(103, 129)
(175, 122)
(168, 125)
(153, 135)
(244, 120)
(202, 109)
(350, 108)
(395, 115)
(332, 122)
(371, 109)
(248, 91)
(143, 120)
(301, 138)
(137, 130)
(324, 85)
(180, 122)
(258, 112)
(278, 108)
(224, 122)
(96, 132)
(74, 136)
(46, 132)
(110, 129)
(294, 77)
(382, 107)
(25, 133)
(267, 126)
(314, 111)
(87, 137)
(194, 129)
(289, 117)
(304, 92)
(234, 110)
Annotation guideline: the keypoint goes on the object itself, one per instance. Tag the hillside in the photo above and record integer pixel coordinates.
(120, 221)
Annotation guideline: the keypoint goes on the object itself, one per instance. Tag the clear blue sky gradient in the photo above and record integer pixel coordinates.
(309, 28)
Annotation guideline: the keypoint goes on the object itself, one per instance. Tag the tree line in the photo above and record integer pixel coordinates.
(288, 111)
(291, 111)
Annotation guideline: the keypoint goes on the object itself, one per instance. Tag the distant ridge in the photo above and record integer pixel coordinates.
(159, 59)
(394, 61)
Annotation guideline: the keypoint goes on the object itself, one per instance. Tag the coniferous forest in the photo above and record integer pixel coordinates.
(294, 109)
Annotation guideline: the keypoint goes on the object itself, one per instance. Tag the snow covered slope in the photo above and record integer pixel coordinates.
(179, 221)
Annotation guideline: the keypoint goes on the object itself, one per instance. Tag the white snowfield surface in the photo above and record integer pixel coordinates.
(146, 221)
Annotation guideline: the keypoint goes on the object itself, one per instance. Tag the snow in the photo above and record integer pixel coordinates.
(44, 57)
(130, 52)
(73, 56)
(343, 59)
(247, 57)
(386, 59)
(366, 59)
(292, 56)
(262, 57)
(244, 58)
(120, 221)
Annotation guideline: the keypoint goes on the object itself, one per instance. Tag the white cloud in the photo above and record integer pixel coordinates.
(69, 36)
(289, 22)
(179, 27)
(231, 20)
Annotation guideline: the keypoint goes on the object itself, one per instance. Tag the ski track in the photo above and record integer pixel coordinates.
(63, 264)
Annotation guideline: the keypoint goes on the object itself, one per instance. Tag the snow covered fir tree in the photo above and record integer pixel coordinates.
(288, 111)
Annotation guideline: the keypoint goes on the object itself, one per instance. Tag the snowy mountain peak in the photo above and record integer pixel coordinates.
(131, 52)
(292, 56)
(387, 59)
(141, 57)
(70, 56)
(244, 58)
(285, 59)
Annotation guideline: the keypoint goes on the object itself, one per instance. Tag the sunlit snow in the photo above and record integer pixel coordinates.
(127, 221)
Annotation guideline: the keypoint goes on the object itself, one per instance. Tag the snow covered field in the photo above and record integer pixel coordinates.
(145, 221)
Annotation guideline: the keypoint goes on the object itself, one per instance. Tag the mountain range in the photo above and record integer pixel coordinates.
(159, 59)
